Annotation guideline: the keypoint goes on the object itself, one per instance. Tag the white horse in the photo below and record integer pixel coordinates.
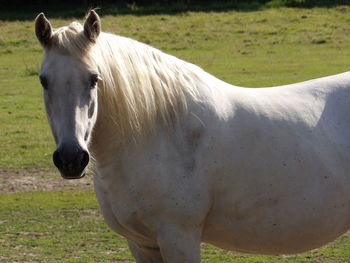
(180, 157)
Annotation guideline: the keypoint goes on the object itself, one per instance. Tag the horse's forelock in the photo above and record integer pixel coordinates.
(71, 40)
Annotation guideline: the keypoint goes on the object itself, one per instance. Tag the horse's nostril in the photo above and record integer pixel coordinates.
(85, 159)
(71, 161)
(57, 160)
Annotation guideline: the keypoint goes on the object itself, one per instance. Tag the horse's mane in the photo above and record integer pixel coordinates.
(140, 84)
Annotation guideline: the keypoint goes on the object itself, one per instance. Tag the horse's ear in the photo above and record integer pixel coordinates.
(43, 30)
(92, 26)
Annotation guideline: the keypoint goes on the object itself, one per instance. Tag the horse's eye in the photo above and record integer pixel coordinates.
(43, 82)
(94, 79)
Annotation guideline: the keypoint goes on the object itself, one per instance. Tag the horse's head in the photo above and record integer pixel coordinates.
(69, 81)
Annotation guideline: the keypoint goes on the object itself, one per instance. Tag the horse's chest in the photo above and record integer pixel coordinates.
(139, 195)
(123, 216)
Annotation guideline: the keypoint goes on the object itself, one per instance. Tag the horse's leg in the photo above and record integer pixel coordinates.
(179, 245)
(145, 254)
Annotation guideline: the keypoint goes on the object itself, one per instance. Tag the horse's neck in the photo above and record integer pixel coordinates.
(107, 136)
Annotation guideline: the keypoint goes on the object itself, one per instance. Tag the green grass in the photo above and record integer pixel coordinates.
(66, 226)
(259, 48)
(62, 226)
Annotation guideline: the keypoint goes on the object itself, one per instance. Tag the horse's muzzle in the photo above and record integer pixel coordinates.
(71, 161)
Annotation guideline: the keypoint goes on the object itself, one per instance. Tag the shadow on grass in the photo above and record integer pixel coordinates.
(29, 11)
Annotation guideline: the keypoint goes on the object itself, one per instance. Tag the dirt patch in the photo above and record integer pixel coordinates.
(12, 180)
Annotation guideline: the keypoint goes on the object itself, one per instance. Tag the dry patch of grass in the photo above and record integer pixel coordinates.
(37, 180)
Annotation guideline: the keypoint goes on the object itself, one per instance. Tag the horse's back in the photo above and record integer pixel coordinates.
(278, 160)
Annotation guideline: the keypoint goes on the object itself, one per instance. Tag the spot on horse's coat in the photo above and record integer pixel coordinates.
(193, 141)
(193, 138)
(190, 164)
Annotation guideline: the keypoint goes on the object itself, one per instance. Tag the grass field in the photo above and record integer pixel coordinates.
(257, 48)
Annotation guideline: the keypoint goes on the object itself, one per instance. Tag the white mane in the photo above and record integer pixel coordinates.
(140, 84)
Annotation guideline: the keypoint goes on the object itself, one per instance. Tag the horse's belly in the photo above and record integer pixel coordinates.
(279, 214)
(270, 241)
(266, 232)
